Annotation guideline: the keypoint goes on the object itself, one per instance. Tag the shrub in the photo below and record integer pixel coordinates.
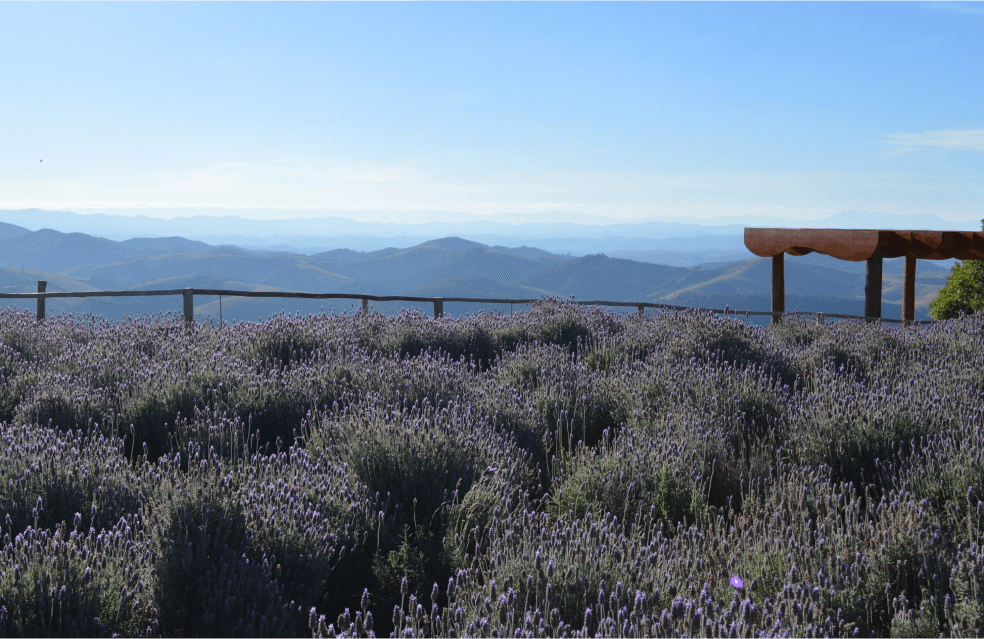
(963, 291)
(632, 475)
(56, 583)
(599, 475)
(209, 578)
(48, 478)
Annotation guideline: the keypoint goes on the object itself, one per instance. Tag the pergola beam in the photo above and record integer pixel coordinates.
(870, 245)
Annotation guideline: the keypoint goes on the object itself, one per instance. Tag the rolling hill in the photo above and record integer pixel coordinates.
(447, 267)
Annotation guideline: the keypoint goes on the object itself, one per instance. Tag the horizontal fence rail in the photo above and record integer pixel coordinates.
(438, 302)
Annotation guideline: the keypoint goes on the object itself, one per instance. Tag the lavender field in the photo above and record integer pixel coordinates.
(561, 472)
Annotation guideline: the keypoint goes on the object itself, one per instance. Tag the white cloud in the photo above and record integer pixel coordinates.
(970, 140)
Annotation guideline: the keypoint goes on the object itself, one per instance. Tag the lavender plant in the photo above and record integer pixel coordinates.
(561, 472)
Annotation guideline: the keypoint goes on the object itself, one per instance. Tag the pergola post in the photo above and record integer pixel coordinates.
(909, 289)
(872, 245)
(873, 285)
(778, 287)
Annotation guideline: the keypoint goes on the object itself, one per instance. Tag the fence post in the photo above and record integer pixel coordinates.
(189, 306)
(642, 310)
(438, 308)
(42, 285)
(365, 305)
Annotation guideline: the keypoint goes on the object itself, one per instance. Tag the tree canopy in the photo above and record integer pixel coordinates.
(963, 292)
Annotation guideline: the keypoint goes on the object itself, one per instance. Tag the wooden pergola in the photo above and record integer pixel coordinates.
(869, 245)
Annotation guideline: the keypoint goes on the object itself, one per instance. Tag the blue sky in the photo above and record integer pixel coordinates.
(448, 111)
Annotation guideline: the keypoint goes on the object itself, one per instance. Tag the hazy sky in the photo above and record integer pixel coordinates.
(630, 111)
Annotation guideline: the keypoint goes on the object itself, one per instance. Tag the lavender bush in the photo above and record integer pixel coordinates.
(561, 472)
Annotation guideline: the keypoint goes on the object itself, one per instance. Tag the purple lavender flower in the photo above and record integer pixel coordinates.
(737, 582)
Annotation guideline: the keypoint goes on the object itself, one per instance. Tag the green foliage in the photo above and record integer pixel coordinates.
(417, 475)
(850, 447)
(209, 579)
(553, 322)
(966, 619)
(55, 586)
(550, 482)
(963, 292)
(604, 357)
(413, 334)
(413, 471)
(521, 373)
(949, 482)
(13, 382)
(392, 567)
(574, 420)
(283, 345)
(813, 347)
(47, 495)
(154, 415)
(627, 479)
(912, 623)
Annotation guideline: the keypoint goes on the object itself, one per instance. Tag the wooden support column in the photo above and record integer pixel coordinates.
(42, 285)
(909, 289)
(438, 308)
(365, 305)
(778, 287)
(873, 285)
(189, 306)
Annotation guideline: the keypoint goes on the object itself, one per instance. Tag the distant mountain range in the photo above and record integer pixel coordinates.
(448, 267)
(677, 243)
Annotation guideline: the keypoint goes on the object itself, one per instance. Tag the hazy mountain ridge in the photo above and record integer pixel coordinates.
(447, 267)
(676, 241)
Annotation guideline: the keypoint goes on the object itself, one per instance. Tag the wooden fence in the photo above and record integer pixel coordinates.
(438, 302)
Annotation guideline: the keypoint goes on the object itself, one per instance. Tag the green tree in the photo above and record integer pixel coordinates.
(963, 291)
